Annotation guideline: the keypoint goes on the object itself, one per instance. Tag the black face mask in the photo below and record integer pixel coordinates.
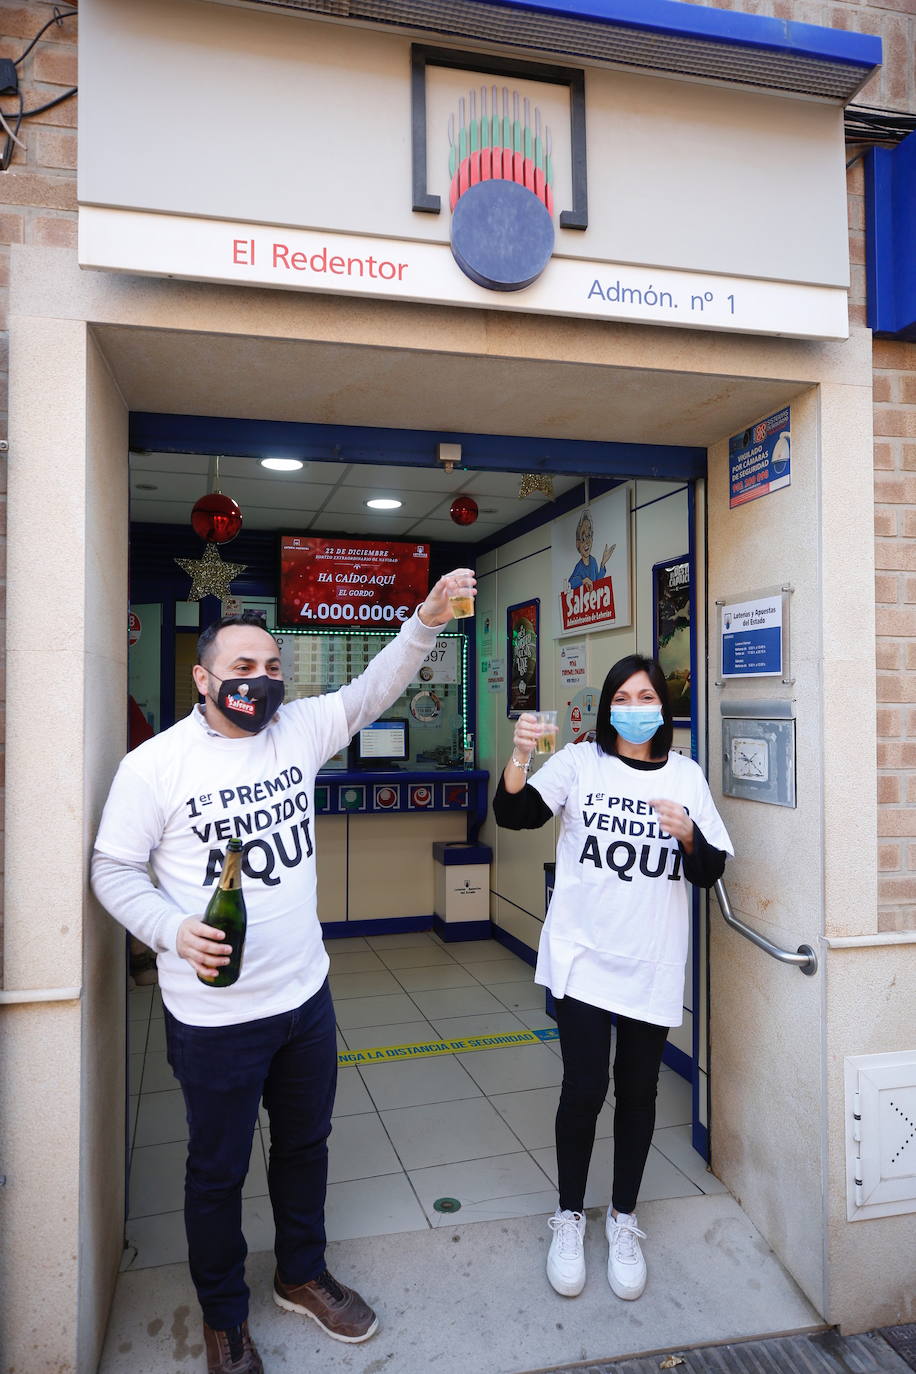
(250, 702)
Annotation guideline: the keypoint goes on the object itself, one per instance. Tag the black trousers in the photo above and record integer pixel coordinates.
(585, 1040)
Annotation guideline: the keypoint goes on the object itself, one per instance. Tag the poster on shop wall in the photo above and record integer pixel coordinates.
(343, 583)
(590, 561)
(522, 651)
(671, 614)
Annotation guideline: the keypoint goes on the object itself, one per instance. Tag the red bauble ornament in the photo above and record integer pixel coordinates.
(216, 518)
(463, 510)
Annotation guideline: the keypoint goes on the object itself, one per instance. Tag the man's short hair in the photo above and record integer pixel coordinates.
(205, 644)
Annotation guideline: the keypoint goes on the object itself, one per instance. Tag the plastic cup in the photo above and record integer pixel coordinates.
(547, 727)
(462, 604)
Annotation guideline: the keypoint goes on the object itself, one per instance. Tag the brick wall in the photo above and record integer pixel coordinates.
(38, 192)
(895, 605)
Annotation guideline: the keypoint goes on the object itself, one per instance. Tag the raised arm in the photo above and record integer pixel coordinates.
(516, 804)
(394, 667)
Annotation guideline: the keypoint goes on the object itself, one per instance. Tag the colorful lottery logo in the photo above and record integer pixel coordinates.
(456, 795)
(386, 797)
(501, 191)
(421, 797)
(241, 703)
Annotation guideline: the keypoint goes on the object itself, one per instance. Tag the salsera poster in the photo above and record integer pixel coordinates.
(591, 565)
(330, 582)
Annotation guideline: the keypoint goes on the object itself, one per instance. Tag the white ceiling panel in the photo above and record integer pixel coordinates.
(328, 523)
(445, 531)
(330, 497)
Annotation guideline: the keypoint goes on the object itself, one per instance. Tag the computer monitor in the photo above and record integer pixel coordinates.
(381, 744)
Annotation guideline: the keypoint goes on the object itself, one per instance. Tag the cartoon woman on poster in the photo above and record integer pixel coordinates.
(586, 572)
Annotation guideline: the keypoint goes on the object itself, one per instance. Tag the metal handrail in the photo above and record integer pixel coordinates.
(804, 959)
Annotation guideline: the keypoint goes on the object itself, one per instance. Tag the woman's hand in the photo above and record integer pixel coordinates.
(675, 820)
(524, 739)
(527, 733)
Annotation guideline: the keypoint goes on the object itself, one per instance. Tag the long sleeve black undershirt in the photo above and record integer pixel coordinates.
(527, 810)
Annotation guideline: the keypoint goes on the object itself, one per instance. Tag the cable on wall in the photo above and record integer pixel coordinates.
(9, 86)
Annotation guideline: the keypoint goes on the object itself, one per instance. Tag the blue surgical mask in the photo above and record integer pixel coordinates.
(636, 723)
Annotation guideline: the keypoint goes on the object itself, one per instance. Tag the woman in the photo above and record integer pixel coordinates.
(638, 824)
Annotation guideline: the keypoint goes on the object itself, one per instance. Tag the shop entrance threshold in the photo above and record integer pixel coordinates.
(475, 1298)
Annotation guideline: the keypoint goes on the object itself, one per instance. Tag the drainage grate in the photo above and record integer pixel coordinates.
(903, 1339)
(822, 1352)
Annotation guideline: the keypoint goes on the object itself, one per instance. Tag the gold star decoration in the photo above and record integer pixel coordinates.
(209, 575)
(536, 484)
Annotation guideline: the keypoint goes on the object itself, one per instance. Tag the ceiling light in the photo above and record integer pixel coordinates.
(384, 503)
(282, 464)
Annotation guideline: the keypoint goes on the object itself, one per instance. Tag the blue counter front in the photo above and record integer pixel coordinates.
(375, 838)
(365, 793)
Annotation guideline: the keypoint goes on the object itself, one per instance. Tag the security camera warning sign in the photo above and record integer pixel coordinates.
(760, 459)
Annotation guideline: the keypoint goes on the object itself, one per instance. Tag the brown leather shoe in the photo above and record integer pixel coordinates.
(338, 1310)
(231, 1352)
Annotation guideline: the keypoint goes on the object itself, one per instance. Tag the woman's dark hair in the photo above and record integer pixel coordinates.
(623, 669)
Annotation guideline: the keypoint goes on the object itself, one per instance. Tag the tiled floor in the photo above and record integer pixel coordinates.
(476, 1126)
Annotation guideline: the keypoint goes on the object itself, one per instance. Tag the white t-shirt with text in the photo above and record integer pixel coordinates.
(617, 925)
(180, 796)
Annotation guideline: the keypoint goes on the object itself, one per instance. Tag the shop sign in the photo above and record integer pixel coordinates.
(494, 670)
(751, 637)
(350, 582)
(573, 665)
(352, 264)
(493, 182)
(760, 459)
(134, 627)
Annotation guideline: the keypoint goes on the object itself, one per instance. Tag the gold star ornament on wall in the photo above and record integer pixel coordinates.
(209, 575)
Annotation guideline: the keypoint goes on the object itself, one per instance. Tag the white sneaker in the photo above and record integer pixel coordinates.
(626, 1268)
(566, 1256)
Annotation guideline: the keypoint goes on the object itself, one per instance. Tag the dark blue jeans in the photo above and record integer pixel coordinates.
(291, 1061)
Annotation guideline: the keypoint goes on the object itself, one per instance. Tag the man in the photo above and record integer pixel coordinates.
(242, 765)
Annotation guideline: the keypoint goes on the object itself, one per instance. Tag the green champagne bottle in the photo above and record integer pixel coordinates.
(226, 911)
